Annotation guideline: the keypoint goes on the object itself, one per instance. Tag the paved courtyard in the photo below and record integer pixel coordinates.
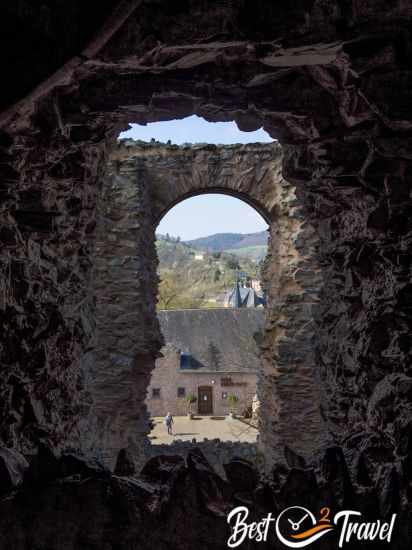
(202, 427)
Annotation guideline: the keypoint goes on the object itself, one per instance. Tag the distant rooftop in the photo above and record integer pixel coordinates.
(214, 339)
(241, 296)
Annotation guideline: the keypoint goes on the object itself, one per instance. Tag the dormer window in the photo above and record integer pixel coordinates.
(185, 360)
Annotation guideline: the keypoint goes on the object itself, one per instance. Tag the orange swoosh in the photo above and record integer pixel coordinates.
(312, 531)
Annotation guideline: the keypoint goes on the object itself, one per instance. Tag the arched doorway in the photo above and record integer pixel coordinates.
(144, 182)
(211, 311)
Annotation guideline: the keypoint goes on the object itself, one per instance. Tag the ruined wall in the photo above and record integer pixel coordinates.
(68, 502)
(175, 173)
(216, 452)
(332, 81)
(363, 318)
(126, 336)
(46, 317)
(287, 387)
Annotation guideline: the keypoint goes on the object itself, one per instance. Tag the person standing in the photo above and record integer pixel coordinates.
(169, 423)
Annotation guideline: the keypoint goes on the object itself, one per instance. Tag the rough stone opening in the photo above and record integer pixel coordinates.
(245, 197)
(221, 239)
(212, 329)
(141, 182)
(333, 82)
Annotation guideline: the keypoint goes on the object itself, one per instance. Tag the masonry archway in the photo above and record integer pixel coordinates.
(57, 140)
(113, 372)
(145, 181)
(319, 76)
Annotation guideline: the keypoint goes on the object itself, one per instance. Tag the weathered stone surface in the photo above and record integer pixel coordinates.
(216, 452)
(43, 468)
(125, 465)
(294, 460)
(12, 468)
(174, 172)
(336, 475)
(174, 503)
(166, 174)
(331, 80)
(46, 466)
(242, 475)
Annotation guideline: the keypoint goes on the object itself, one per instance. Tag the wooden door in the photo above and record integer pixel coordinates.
(205, 400)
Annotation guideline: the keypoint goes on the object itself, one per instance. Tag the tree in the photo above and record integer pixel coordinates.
(217, 275)
(169, 290)
(233, 401)
(232, 263)
(175, 292)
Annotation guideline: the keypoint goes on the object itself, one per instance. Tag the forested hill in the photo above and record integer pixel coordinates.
(191, 278)
(224, 241)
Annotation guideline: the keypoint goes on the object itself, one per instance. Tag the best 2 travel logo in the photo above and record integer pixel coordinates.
(297, 527)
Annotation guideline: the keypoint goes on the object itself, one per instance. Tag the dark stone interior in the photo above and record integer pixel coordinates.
(331, 81)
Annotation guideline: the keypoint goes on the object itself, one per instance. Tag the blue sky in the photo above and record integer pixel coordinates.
(206, 214)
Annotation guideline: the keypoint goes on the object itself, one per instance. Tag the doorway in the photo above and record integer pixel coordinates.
(205, 400)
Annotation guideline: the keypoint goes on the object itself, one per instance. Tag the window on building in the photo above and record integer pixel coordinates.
(185, 360)
(181, 392)
(155, 393)
(224, 394)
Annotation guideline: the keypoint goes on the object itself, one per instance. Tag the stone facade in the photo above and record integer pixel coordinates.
(209, 348)
(167, 377)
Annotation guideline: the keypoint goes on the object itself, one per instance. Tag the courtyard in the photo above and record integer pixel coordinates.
(201, 428)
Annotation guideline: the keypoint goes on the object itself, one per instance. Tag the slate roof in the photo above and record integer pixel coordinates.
(218, 340)
(241, 296)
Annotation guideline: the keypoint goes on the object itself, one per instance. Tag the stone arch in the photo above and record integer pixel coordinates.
(321, 81)
(177, 173)
(101, 426)
(144, 181)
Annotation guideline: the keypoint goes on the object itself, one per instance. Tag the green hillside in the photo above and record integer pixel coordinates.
(229, 241)
(255, 253)
(187, 282)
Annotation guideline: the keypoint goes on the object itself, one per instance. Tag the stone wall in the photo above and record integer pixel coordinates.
(68, 502)
(46, 308)
(287, 388)
(331, 80)
(288, 385)
(126, 335)
(116, 312)
(216, 452)
(175, 173)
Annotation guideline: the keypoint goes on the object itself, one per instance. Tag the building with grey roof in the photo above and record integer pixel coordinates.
(244, 296)
(210, 353)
